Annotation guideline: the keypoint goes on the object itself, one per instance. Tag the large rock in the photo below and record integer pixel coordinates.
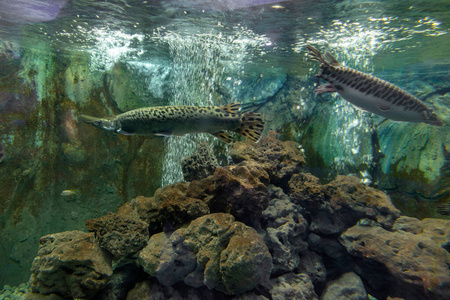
(213, 251)
(199, 165)
(415, 254)
(70, 264)
(351, 201)
(279, 159)
(347, 287)
(120, 234)
(238, 190)
(292, 286)
(284, 232)
(147, 209)
(306, 190)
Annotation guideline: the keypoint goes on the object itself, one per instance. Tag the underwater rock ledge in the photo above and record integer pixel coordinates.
(256, 229)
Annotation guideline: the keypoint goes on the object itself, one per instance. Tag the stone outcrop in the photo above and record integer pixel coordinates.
(351, 201)
(238, 190)
(293, 286)
(415, 254)
(279, 159)
(214, 251)
(199, 165)
(284, 232)
(347, 287)
(258, 229)
(70, 264)
(120, 234)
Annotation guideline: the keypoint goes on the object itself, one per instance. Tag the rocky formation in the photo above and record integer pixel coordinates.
(257, 229)
(214, 250)
(70, 264)
(415, 255)
(199, 165)
(119, 234)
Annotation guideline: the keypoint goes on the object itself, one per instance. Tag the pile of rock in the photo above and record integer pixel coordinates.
(256, 229)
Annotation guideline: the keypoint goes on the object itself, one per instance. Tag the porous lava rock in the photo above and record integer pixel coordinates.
(347, 202)
(237, 190)
(284, 231)
(147, 209)
(279, 159)
(199, 165)
(120, 234)
(347, 287)
(292, 286)
(213, 251)
(306, 191)
(70, 264)
(352, 201)
(415, 254)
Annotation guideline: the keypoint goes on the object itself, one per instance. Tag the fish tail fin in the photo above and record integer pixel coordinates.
(223, 136)
(232, 108)
(252, 126)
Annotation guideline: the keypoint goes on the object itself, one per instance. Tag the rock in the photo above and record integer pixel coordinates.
(176, 207)
(305, 190)
(237, 190)
(348, 286)
(213, 251)
(285, 228)
(331, 249)
(120, 234)
(70, 264)
(147, 209)
(167, 259)
(312, 265)
(292, 286)
(417, 259)
(153, 290)
(199, 165)
(279, 159)
(352, 201)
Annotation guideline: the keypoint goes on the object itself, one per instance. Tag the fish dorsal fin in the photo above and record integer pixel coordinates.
(223, 136)
(330, 59)
(232, 108)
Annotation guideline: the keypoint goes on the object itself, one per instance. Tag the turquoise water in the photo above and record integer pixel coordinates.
(106, 57)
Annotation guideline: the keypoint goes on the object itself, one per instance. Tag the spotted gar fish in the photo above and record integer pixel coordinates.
(370, 93)
(182, 119)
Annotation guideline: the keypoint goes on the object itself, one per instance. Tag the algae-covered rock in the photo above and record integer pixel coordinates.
(199, 165)
(292, 286)
(415, 260)
(351, 201)
(120, 234)
(237, 190)
(70, 264)
(279, 159)
(214, 250)
(347, 286)
(285, 230)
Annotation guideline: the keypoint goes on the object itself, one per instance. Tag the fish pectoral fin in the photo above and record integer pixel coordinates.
(326, 88)
(232, 108)
(384, 108)
(223, 136)
(163, 133)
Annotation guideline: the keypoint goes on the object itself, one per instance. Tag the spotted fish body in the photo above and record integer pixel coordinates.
(183, 119)
(370, 93)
